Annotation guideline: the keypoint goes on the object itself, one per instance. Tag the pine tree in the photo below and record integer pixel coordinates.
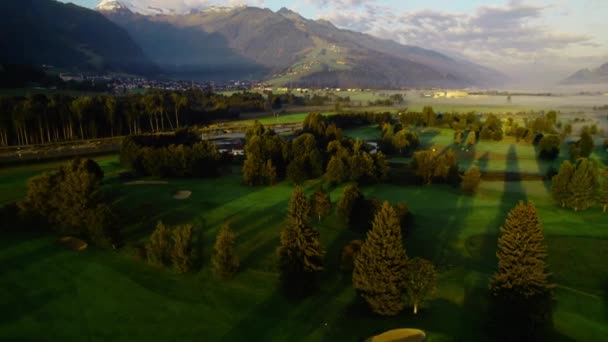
(583, 185)
(159, 246)
(560, 183)
(380, 266)
(224, 262)
(337, 170)
(521, 289)
(321, 204)
(181, 251)
(351, 195)
(458, 137)
(471, 179)
(300, 256)
(586, 144)
(421, 282)
(471, 138)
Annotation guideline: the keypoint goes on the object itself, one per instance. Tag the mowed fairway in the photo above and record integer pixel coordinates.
(52, 293)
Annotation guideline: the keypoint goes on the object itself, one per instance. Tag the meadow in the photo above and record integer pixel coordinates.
(59, 294)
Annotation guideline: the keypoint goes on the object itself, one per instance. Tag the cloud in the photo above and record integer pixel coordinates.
(511, 34)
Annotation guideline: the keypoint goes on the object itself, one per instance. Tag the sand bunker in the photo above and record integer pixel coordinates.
(147, 183)
(182, 195)
(399, 335)
(72, 243)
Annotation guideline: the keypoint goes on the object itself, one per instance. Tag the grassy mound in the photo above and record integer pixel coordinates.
(72, 243)
(399, 335)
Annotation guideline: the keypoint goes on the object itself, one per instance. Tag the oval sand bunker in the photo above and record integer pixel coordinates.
(399, 335)
(182, 195)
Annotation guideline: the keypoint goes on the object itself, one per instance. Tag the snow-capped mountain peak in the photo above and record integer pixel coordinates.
(111, 6)
(159, 7)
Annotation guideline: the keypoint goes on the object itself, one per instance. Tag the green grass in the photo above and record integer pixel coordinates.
(55, 294)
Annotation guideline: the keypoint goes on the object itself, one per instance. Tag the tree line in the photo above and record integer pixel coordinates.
(181, 154)
(39, 119)
(580, 185)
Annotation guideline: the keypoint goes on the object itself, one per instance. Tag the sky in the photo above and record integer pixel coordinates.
(527, 40)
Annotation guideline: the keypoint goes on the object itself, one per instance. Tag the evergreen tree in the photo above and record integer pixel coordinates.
(421, 282)
(321, 204)
(300, 256)
(224, 262)
(458, 137)
(351, 195)
(583, 185)
(380, 266)
(521, 289)
(181, 251)
(586, 144)
(471, 179)
(471, 138)
(560, 189)
(337, 170)
(158, 246)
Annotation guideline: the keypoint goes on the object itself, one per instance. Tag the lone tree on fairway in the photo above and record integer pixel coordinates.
(224, 262)
(521, 288)
(471, 138)
(158, 246)
(300, 256)
(560, 189)
(351, 195)
(321, 204)
(458, 137)
(380, 266)
(471, 180)
(586, 144)
(583, 185)
(181, 252)
(421, 281)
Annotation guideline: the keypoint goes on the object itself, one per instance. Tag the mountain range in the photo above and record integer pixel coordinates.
(589, 76)
(218, 43)
(46, 32)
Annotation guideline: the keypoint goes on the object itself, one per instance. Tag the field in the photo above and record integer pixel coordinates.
(53, 293)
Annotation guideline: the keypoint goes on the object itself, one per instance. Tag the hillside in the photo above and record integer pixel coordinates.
(67, 36)
(288, 49)
(588, 76)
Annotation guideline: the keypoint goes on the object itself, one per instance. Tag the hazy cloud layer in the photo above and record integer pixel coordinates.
(513, 37)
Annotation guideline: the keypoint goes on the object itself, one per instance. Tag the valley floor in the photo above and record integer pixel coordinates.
(53, 293)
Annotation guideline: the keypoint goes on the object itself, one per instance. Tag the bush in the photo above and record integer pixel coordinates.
(549, 147)
(471, 180)
(349, 252)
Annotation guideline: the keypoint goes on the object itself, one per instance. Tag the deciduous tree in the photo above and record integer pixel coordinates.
(181, 250)
(224, 261)
(321, 204)
(158, 247)
(421, 281)
(471, 179)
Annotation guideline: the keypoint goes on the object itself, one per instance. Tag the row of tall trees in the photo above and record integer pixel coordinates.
(580, 185)
(39, 119)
